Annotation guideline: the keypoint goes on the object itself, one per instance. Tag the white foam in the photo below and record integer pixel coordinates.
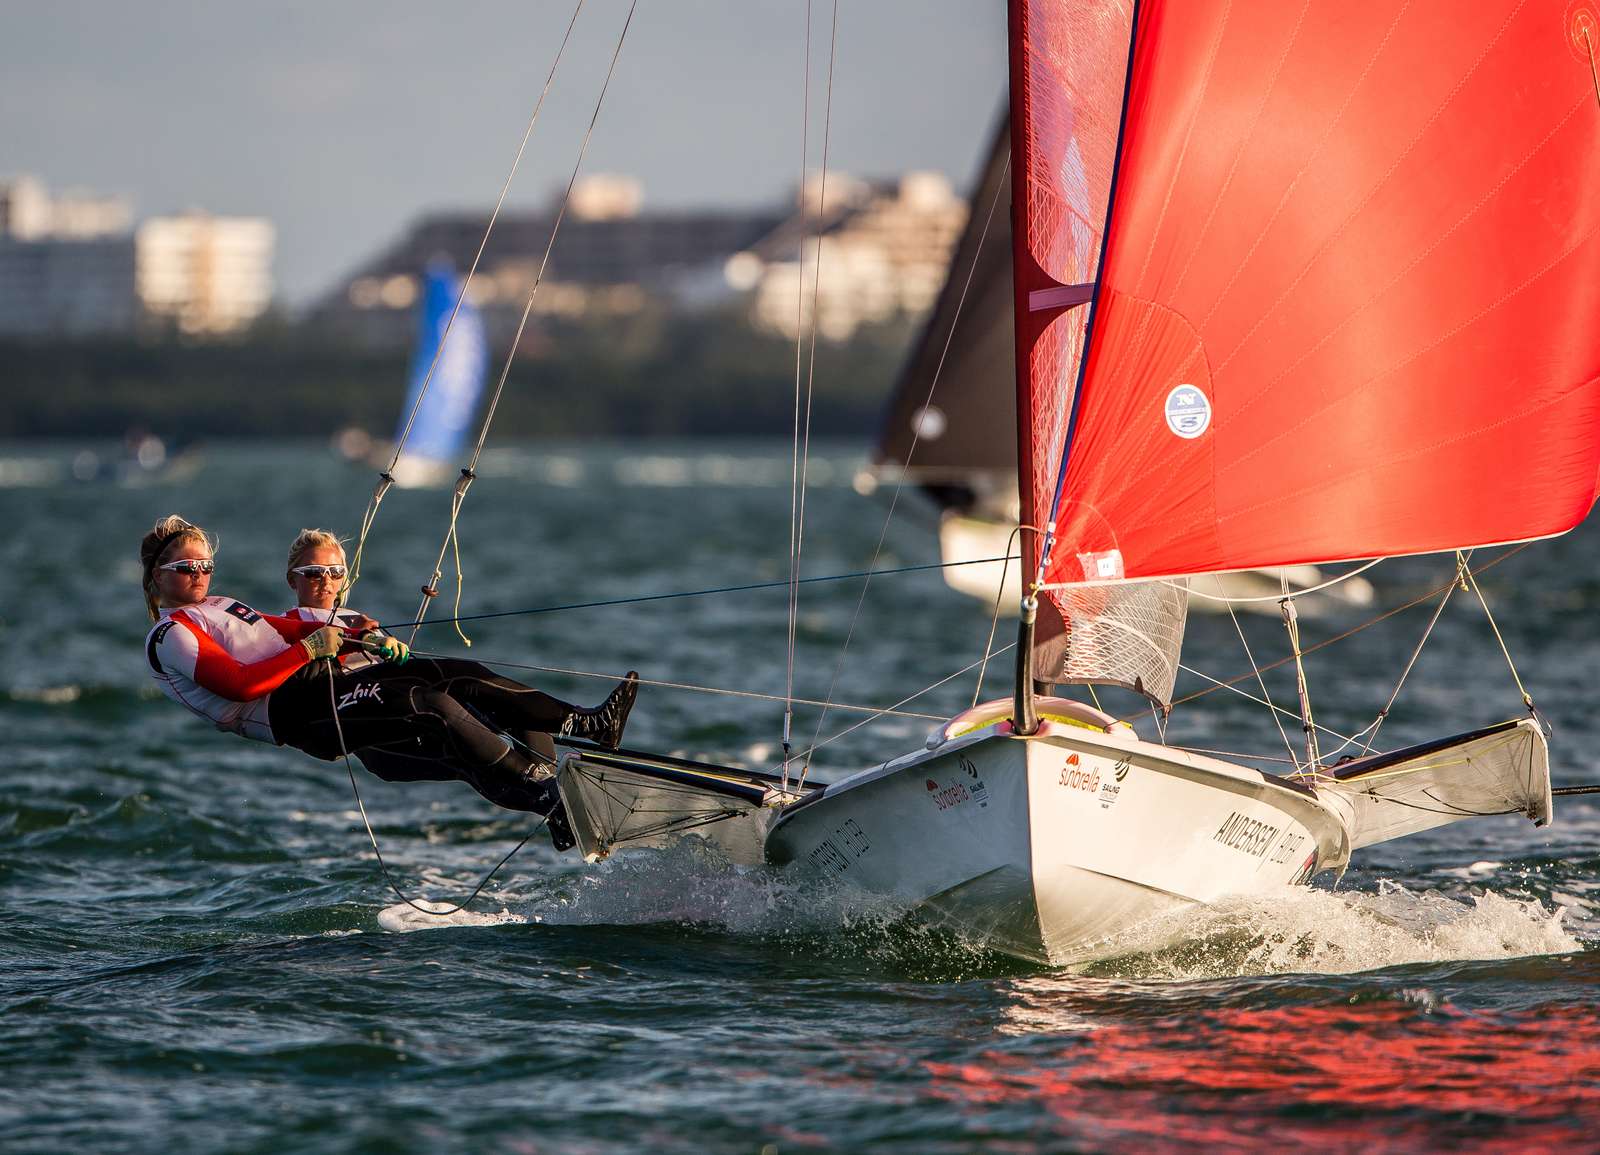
(1318, 932)
(402, 918)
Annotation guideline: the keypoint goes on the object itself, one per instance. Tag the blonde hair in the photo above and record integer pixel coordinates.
(166, 533)
(308, 540)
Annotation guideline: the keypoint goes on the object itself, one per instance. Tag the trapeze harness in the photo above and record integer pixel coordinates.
(429, 720)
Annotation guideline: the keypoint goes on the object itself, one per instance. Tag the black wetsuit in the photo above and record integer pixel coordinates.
(429, 720)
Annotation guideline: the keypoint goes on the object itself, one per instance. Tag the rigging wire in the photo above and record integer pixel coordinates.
(1230, 683)
(691, 593)
(794, 478)
(1383, 714)
(916, 436)
(895, 709)
(1262, 682)
(754, 695)
(1471, 583)
(803, 441)
(994, 619)
(469, 472)
(386, 478)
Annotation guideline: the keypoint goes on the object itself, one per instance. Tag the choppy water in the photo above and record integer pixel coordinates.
(199, 954)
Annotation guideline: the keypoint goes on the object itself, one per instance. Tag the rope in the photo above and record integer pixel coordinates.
(994, 619)
(1270, 597)
(468, 473)
(1471, 583)
(1266, 696)
(691, 686)
(916, 436)
(333, 708)
(386, 478)
(693, 593)
(1383, 714)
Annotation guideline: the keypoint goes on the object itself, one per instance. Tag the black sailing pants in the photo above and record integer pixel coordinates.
(431, 719)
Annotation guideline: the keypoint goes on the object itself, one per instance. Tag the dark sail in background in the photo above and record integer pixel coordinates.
(973, 410)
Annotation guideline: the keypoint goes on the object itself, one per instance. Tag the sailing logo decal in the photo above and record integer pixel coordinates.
(362, 693)
(1074, 776)
(1188, 412)
(944, 797)
(1110, 791)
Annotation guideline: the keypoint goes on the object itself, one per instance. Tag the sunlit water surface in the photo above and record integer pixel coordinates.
(199, 952)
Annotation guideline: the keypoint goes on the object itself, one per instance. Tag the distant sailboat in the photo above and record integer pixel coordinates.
(438, 427)
(953, 419)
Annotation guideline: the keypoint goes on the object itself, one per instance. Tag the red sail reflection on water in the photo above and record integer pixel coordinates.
(1341, 1077)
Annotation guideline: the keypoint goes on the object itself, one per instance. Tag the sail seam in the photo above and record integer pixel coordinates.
(1239, 150)
(1371, 299)
(1288, 191)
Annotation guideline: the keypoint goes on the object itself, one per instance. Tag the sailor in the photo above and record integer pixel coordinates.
(260, 676)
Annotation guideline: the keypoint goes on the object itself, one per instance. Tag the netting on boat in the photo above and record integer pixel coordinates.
(1127, 634)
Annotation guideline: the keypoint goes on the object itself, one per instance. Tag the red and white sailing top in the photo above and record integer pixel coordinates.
(220, 659)
(346, 620)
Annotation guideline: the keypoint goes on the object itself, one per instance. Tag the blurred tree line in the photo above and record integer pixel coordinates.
(650, 375)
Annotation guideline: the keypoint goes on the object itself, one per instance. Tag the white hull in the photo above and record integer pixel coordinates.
(1048, 847)
(962, 538)
(1054, 846)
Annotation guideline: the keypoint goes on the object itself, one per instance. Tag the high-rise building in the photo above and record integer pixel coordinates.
(209, 274)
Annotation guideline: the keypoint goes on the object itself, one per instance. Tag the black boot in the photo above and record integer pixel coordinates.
(603, 724)
(555, 819)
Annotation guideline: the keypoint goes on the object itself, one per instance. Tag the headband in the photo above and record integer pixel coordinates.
(161, 546)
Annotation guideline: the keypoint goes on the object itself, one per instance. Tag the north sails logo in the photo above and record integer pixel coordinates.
(361, 694)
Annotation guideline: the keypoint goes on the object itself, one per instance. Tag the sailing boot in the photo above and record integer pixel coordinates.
(603, 724)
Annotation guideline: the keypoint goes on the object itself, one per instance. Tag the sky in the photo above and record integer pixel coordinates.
(343, 120)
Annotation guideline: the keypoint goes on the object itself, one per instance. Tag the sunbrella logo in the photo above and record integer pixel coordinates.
(1188, 412)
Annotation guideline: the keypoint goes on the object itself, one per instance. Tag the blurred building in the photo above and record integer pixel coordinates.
(67, 288)
(883, 250)
(66, 262)
(610, 257)
(210, 275)
(71, 265)
(29, 213)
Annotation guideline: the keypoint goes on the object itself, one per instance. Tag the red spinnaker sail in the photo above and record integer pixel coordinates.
(1350, 299)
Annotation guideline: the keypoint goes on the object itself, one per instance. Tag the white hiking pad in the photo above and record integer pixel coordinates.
(615, 798)
(1503, 769)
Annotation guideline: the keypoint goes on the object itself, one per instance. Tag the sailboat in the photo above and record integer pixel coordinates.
(950, 429)
(1292, 285)
(435, 432)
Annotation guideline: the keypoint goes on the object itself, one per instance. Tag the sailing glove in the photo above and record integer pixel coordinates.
(389, 649)
(324, 643)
